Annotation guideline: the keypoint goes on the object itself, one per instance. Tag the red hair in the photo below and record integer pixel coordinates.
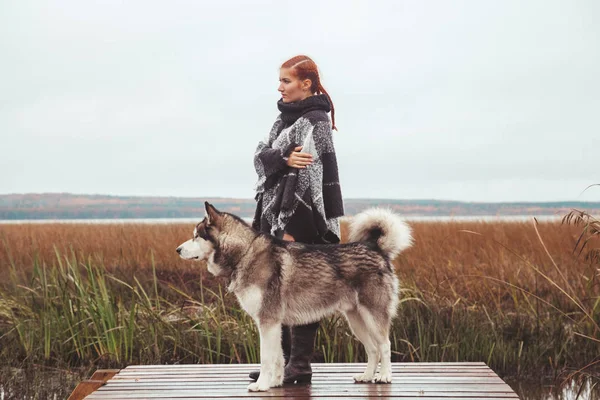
(305, 68)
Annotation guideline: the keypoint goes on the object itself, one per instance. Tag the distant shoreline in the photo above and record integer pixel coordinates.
(428, 218)
(65, 206)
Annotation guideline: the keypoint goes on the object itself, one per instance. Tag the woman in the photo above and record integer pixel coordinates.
(298, 191)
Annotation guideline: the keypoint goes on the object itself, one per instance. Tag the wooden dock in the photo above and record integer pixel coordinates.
(443, 381)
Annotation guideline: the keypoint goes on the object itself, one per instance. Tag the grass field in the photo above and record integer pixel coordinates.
(110, 295)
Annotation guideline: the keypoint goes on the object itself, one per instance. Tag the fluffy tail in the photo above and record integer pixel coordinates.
(382, 227)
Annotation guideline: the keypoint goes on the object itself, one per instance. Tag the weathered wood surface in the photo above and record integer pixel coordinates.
(97, 380)
(330, 381)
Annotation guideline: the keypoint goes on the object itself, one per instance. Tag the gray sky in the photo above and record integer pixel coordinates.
(462, 100)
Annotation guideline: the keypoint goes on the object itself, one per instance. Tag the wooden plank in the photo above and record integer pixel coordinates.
(273, 396)
(84, 388)
(332, 397)
(237, 391)
(239, 385)
(324, 370)
(306, 394)
(394, 388)
(338, 397)
(323, 384)
(98, 379)
(342, 379)
(104, 374)
(295, 390)
(320, 365)
(333, 364)
(242, 373)
(362, 389)
(201, 368)
(315, 371)
(317, 375)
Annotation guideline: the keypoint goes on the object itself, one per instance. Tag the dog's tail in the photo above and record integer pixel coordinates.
(383, 228)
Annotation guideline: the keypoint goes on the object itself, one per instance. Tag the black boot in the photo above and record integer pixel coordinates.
(303, 342)
(286, 345)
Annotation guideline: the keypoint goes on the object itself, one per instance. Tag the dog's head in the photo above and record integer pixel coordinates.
(199, 247)
(218, 239)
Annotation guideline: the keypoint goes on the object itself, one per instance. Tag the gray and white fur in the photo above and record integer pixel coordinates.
(281, 282)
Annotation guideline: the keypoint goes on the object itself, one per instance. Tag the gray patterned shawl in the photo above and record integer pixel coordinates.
(281, 189)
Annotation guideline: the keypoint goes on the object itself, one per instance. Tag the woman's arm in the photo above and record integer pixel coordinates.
(268, 161)
(272, 160)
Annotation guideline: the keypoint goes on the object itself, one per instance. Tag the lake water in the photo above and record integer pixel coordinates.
(572, 390)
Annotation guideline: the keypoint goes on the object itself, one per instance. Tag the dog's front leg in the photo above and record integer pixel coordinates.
(271, 358)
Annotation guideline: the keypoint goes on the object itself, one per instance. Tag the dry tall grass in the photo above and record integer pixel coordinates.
(453, 260)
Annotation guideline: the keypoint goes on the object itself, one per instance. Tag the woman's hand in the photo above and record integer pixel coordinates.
(288, 237)
(299, 160)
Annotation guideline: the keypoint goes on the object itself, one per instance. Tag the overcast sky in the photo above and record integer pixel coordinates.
(460, 100)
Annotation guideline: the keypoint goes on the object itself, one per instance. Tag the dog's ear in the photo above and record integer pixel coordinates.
(199, 228)
(213, 216)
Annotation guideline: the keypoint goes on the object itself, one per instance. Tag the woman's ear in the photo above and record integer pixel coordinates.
(306, 84)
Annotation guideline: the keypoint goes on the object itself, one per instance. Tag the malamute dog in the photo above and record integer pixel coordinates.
(281, 282)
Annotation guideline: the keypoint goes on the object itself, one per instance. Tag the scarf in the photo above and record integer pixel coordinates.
(290, 112)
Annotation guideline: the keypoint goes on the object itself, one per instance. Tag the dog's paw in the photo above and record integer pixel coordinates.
(277, 382)
(277, 379)
(363, 378)
(383, 378)
(258, 387)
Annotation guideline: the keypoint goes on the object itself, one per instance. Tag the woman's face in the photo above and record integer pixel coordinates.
(291, 88)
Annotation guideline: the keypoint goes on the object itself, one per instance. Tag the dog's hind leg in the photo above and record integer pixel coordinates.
(379, 326)
(271, 358)
(385, 375)
(362, 331)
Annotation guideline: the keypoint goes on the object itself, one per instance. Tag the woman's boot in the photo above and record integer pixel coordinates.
(286, 345)
(303, 342)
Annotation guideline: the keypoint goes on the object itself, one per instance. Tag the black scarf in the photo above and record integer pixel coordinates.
(290, 112)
